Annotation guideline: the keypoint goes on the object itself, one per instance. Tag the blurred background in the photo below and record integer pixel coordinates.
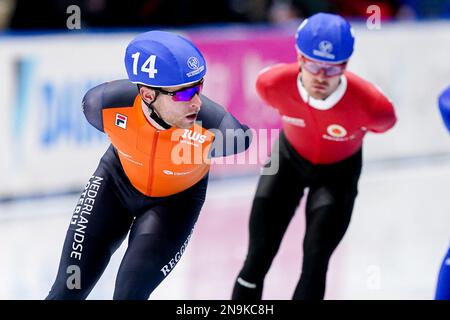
(52, 52)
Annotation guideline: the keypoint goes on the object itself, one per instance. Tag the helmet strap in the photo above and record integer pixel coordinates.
(154, 115)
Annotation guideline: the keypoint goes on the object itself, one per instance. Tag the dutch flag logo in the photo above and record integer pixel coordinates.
(121, 120)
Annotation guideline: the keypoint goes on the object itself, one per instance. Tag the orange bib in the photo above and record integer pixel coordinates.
(157, 162)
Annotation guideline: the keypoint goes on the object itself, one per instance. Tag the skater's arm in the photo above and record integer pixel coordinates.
(118, 93)
(382, 113)
(231, 136)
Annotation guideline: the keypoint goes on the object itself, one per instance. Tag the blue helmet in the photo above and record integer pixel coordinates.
(444, 106)
(163, 59)
(325, 37)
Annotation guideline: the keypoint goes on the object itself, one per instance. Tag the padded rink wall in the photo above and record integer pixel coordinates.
(400, 226)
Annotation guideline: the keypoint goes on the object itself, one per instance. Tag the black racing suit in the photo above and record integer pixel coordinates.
(110, 207)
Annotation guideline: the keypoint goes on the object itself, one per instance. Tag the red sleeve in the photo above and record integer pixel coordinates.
(381, 113)
(262, 85)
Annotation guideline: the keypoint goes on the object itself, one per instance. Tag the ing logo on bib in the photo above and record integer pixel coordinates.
(336, 131)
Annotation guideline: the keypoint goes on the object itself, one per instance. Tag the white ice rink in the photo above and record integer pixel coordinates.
(393, 249)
